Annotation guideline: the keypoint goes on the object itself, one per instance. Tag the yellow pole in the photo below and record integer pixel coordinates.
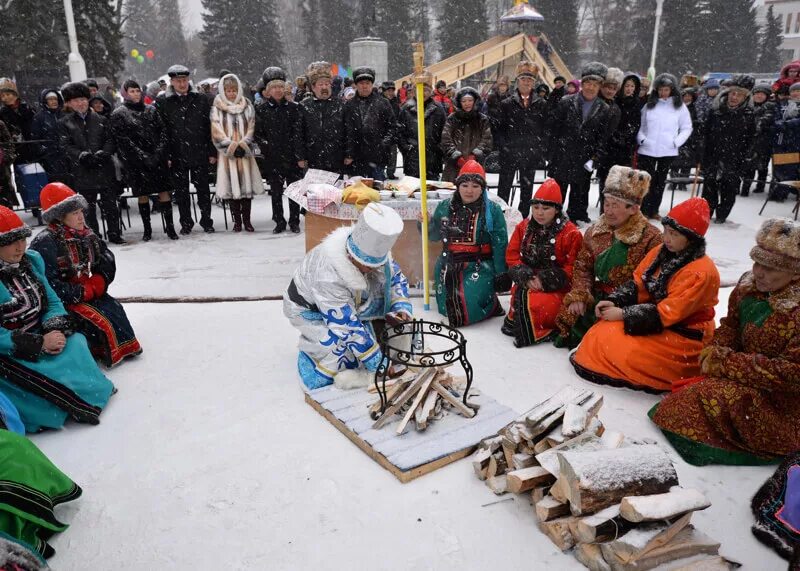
(419, 68)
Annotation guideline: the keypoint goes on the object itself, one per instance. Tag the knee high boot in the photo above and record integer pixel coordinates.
(166, 211)
(236, 214)
(144, 211)
(246, 205)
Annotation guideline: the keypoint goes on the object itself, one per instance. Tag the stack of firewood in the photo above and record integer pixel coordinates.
(614, 501)
(422, 396)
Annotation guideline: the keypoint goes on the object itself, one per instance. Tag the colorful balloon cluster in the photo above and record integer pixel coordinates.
(137, 55)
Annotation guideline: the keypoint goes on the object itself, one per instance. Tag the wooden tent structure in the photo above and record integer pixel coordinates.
(503, 52)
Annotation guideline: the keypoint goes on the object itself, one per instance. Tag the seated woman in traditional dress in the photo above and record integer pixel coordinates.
(746, 409)
(651, 330)
(540, 258)
(340, 297)
(80, 267)
(473, 262)
(46, 371)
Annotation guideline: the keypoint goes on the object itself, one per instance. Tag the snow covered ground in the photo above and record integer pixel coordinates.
(209, 458)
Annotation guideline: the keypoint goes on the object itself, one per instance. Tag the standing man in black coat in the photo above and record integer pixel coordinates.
(141, 140)
(729, 131)
(608, 93)
(370, 124)
(321, 133)
(277, 121)
(390, 93)
(580, 126)
(45, 128)
(86, 139)
(523, 129)
(761, 151)
(186, 117)
(408, 133)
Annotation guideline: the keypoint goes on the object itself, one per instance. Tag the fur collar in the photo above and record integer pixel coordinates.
(335, 251)
(667, 264)
(784, 301)
(630, 233)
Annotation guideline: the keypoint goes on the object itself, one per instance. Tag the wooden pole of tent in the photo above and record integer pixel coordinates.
(694, 183)
(419, 69)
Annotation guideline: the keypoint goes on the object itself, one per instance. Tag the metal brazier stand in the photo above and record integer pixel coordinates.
(403, 344)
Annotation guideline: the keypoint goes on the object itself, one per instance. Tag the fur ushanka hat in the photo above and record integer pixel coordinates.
(74, 90)
(527, 69)
(627, 184)
(614, 75)
(594, 71)
(778, 245)
(318, 70)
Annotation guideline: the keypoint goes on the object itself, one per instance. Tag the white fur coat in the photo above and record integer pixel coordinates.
(232, 126)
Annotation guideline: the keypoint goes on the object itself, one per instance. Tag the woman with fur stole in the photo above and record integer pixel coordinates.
(233, 122)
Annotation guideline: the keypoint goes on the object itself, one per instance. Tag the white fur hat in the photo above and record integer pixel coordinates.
(374, 234)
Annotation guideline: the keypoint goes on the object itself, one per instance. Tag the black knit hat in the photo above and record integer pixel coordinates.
(74, 90)
(560, 78)
(130, 84)
(763, 88)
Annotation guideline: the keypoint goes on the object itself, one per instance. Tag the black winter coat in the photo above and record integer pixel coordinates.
(45, 127)
(764, 116)
(728, 136)
(370, 125)
(622, 142)
(89, 146)
(435, 118)
(523, 130)
(277, 135)
(19, 121)
(141, 139)
(574, 141)
(321, 134)
(187, 120)
(493, 102)
(692, 150)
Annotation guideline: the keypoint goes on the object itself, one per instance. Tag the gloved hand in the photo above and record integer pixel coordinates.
(86, 159)
(239, 152)
(101, 157)
(589, 166)
(98, 284)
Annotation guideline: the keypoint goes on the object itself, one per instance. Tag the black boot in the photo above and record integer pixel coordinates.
(144, 211)
(166, 211)
(236, 214)
(246, 204)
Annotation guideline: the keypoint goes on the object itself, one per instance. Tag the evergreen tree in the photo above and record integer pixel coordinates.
(642, 22)
(463, 25)
(769, 57)
(683, 39)
(32, 37)
(338, 29)
(171, 43)
(242, 36)
(311, 26)
(394, 23)
(732, 36)
(561, 26)
(141, 34)
(99, 27)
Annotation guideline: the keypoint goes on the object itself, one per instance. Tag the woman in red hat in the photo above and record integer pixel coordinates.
(45, 370)
(650, 331)
(472, 265)
(744, 408)
(80, 268)
(540, 257)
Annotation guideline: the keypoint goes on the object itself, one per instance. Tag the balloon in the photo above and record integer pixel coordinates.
(135, 53)
(150, 54)
(140, 59)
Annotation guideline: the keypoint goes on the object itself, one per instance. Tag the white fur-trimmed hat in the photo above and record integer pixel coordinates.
(627, 184)
(374, 234)
(58, 200)
(778, 245)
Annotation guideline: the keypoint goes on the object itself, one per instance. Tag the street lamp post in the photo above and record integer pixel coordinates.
(652, 71)
(77, 67)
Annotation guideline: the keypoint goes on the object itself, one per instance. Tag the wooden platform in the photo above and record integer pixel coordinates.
(412, 454)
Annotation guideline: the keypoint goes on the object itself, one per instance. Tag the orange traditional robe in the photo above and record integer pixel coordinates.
(659, 341)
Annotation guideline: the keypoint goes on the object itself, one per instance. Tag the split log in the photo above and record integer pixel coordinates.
(583, 442)
(662, 506)
(601, 478)
(641, 540)
(551, 405)
(412, 389)
(520, 461)
(687, 543)
(494, 443)
(480, 462)
(555, 437)
(425, 412)
(542, 445)
(577, 417)
(550, 508)
(498, 484)
(591, 556)
(558, 532)
(559, 490)
(454, 402)
(508, 454)
(701, 563)
(539, 493)
(420, 396)
(528, 478)
(605, 525)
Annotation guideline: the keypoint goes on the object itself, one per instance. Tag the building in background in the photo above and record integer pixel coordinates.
(789, 13)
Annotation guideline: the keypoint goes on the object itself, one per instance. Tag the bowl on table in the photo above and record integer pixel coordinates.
(385, 194)
(445, 194)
